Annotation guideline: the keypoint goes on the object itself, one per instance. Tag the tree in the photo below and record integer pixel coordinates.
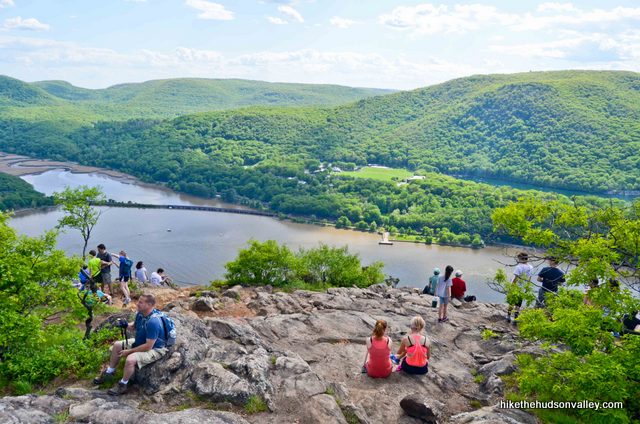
(76, 203)
(262, 264)
(39, 312)
(343, 222)
(588, 361)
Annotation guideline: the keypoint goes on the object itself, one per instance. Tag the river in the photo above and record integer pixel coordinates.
(200, 243)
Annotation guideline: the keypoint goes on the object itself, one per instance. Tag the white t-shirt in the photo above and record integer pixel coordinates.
(524, 271)
(141, 274)
(156, 279)
(441, 288)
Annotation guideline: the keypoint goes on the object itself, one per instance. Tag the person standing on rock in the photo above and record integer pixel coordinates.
(443, 291)
(414, 349)
(125, 275)
(147, 347)
(105, 268)
(522, 275)
(551, 278)
(379, 364)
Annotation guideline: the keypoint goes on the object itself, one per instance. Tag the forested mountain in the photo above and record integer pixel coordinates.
(570, 129)
(16, 193)
(164, 98)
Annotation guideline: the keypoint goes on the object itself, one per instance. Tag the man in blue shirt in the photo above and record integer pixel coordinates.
(551, 277)
(147, 347)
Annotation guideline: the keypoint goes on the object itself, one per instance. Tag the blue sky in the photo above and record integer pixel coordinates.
(372, 43)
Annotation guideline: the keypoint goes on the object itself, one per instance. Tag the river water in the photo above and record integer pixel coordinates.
(199, 243)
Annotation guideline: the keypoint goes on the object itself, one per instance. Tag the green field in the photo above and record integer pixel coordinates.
(380, 174)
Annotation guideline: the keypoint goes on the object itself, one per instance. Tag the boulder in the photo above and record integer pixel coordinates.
(418, 407)
(204, 304)
(322, 409)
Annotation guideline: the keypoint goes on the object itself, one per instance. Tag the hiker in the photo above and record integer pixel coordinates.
(631, 323)
(379, 364)
(147, 347)
(430, 288)
(94, 265)
(105, 268)
(443, 291)
(458, 286)
(551, 277)
(414, 349)
(86, 284)
(158, 278)
(522, 275)
(124, 275)
(141, 273)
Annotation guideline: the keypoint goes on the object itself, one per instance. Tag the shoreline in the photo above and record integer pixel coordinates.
(8, 162)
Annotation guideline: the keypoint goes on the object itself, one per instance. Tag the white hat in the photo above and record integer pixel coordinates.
(458, 273)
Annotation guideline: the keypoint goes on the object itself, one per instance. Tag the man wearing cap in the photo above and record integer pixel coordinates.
(433, 281)
(459, 287)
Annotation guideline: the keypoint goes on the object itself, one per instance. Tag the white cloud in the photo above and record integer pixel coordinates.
(29, 24)
(291, 13)
(555, 7)
(210, 10)
(276, 21)
(6, 3)
(342, 23)
(428, 18)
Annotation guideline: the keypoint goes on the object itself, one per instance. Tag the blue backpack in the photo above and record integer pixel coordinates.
(169, 327)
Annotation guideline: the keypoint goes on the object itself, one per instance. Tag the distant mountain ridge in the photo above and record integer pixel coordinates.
(563, 129)
(171, 97)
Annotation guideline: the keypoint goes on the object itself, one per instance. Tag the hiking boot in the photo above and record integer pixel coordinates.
(126, 301)
(118, 390)
(103, 378)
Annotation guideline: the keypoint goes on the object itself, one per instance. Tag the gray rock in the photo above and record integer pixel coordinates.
(418, 407)
(204, 304)
(322, 409)
(31, 409)
(213, 381)
(503, 366)
(494, 415)
(233, 293)
(233, 330)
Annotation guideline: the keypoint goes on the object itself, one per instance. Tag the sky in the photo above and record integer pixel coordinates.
(366, 43)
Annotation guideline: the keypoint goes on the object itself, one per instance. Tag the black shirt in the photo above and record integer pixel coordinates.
(106, 256)
(551, 278)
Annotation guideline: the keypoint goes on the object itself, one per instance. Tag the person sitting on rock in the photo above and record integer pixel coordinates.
(147, 347)
(414, 349)
(430, 288)
(379, 364)
(458, 286)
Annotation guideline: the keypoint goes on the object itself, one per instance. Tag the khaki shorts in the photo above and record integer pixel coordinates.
(148, 357)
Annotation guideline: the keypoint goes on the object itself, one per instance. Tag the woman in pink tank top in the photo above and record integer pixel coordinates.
(378, 351)
(414, 349)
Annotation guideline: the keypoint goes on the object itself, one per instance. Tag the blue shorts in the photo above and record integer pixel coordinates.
(443, 300)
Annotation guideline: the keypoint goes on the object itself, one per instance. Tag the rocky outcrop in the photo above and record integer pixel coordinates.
(299, 355)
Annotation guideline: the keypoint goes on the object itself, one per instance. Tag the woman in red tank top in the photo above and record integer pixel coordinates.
(378, 351)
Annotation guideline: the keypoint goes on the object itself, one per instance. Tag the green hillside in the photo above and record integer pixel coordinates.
(173, 97)
(570, 129)
(16, 193)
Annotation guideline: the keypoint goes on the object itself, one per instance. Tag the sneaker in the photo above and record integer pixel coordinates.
(399, 368)
(445, 319)
(508, 318)
(439, 320)
(126, 301)
(118, 390)
(103, 378)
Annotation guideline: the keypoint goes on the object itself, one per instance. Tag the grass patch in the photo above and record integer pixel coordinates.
(475, 404)
(380, 174)
(255, 404)
(61, 417)
(488, 334)
(273, 359)
(330, 391)
(479, 378)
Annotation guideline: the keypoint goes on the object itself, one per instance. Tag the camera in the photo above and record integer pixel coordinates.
(121, 323)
